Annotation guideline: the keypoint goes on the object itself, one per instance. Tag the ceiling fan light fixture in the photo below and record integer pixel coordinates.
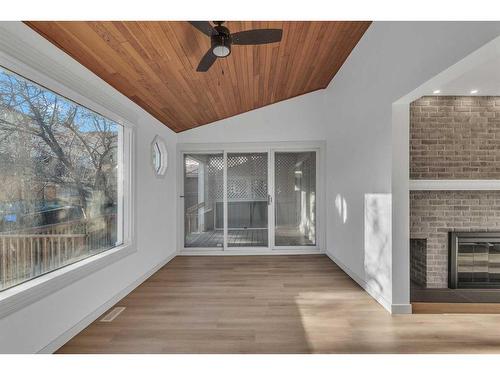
(221, 51)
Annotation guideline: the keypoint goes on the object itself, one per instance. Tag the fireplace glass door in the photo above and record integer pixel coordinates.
(475, 261)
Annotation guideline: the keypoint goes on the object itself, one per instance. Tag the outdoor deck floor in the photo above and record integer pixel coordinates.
(246, 238)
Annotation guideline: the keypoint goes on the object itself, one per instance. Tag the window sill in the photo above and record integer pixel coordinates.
(17, 297)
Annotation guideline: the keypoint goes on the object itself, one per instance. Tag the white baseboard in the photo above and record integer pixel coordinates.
(187, 252)
(401, 309)
(373, 293)
(86, 321)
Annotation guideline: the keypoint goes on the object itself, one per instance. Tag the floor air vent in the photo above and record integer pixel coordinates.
(109, 317)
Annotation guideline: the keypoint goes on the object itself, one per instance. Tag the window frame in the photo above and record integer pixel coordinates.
(28, 292)
(160, 144)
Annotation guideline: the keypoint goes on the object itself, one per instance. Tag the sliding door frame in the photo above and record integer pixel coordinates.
(258, 147)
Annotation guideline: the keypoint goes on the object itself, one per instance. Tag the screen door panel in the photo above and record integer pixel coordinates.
(295, 198)
(247, 199)
(203, 200)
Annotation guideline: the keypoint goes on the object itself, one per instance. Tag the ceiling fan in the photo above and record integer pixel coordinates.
(222, 40)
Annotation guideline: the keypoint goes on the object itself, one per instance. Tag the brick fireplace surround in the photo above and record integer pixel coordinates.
(451, 138)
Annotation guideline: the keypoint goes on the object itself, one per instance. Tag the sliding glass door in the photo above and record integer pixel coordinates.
(203, 200)
(247, 200)
(295, 198)
(250, 200)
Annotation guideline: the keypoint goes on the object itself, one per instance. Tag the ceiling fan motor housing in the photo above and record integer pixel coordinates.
(221, 43)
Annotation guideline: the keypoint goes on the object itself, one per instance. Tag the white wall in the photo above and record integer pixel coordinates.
(295, 119)
(392, 59)
(37, 325)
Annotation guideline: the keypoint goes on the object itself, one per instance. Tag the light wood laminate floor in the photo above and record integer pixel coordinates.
(273, 304)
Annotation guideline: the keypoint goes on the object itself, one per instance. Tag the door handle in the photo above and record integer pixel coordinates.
(269, 199)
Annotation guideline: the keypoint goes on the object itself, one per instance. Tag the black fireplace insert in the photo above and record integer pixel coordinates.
(474, 260)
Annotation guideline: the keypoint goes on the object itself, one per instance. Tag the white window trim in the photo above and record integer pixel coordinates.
(162, 146)
(22, 295)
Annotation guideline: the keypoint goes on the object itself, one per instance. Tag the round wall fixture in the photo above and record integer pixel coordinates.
(159, 156)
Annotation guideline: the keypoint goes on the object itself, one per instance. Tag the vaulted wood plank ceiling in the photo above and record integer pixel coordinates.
(154, 64)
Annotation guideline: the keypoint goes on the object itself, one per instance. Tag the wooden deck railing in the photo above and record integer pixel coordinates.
(29, 253)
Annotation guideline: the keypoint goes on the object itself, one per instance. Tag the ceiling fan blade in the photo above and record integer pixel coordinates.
(204, 27)
(258, 36)
(206, 61)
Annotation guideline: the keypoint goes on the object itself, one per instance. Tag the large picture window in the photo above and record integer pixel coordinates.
(60, 168)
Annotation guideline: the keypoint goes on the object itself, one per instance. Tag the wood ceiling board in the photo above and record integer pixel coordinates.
(154, 64)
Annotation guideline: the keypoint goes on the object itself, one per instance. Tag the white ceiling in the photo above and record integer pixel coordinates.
(484, 77)
(478, 71)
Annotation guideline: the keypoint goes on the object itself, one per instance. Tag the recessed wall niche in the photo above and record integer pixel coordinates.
(451, 138)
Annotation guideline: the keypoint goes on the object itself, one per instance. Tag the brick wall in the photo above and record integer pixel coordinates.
(455, 138)
(435, 213)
